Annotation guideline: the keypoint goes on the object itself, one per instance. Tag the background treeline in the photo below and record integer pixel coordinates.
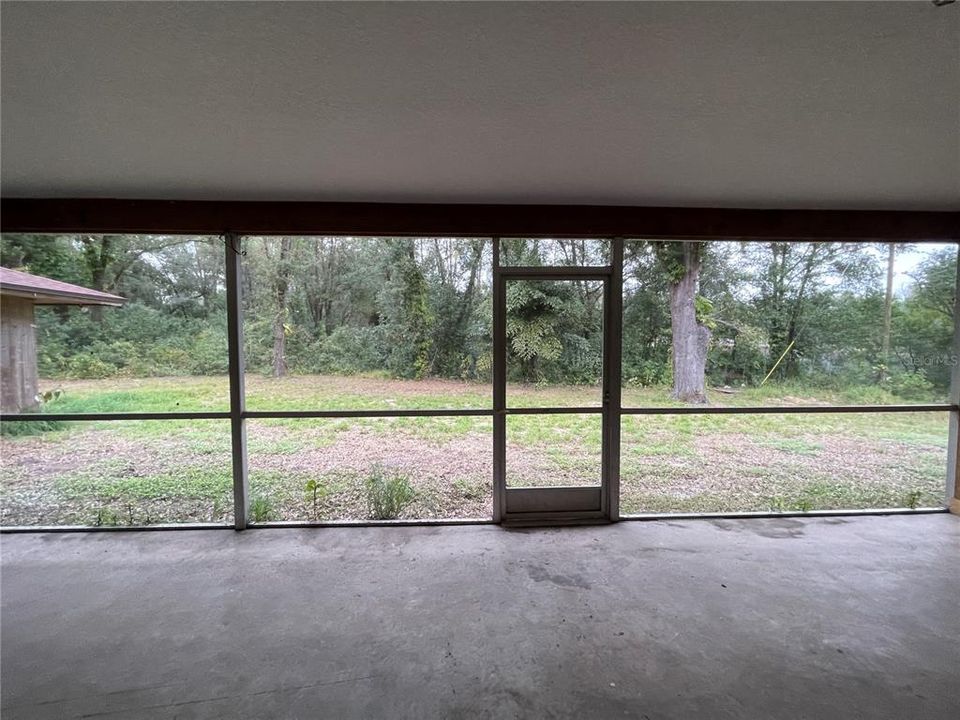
(417, 308)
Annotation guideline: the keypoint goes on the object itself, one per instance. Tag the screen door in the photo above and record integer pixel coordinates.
(552, 409)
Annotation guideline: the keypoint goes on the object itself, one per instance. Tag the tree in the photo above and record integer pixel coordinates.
(795, 282)
(281, 286)
(892, 249)
(405, 312)
(681, 261)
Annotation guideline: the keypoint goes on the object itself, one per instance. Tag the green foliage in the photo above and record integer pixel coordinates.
(387, 495)
(14, 428)
(348, 351)
(553, 331)
(703, 307)
(470, 490)
(911, 386)
(106, 516)
(49, 400)
(315, 491)
(261, 509)
(913, 499)
(738, 355)
(417, 308)
(405, 313)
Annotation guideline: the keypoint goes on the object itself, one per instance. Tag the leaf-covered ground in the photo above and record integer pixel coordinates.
(93, 473)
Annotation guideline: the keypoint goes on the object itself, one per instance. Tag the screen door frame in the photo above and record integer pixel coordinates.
(560, 504)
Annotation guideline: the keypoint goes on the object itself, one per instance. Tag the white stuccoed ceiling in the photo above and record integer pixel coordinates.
(819, 105)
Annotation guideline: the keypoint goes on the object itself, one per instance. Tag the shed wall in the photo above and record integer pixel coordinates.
(18, 356)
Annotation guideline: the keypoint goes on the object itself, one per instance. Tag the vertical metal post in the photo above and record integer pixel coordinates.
(499, 387)
(613, 401)
(953, 436)
(238, 430)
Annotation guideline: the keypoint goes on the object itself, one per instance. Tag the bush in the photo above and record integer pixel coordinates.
(648, 373)
(387, 496)
(208, 353)
(912, 386)
(85, 366)
(349, 350)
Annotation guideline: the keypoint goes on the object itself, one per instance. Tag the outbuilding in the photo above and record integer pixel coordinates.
(20, 292)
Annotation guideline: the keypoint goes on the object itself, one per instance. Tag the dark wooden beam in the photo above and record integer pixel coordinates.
(325, 218)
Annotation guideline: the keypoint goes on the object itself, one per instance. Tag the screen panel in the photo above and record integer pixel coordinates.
(777, 463)
(792, 324)
(341, 323)
(118, 473)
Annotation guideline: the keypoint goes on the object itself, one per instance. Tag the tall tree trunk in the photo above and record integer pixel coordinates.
(690, 338)
(887, 312)
(98, 254)
(280, 318)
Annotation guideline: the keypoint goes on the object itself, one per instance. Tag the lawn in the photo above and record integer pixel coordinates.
(108, 473)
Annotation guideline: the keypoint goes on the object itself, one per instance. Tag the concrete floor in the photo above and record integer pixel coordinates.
(782, 618)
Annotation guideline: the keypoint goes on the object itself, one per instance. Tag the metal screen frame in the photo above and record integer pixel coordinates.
(943, 227)
(560, 504)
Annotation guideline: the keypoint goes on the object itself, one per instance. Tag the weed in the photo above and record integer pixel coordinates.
(470, 490)
(106, 516)
(778, 504)
(261, 509)
(387, 496)
(913, 499)
(804, 505)
(316, 491)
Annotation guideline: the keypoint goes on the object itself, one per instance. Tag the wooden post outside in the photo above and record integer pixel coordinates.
(18, 356)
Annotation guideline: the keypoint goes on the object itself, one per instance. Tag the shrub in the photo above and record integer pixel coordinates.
(208, 353)
(912, 386)
(85, 366)
(387, 496)
(349, 350)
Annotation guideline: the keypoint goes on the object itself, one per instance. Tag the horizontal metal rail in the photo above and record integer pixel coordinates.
(294, 524)
(36, 417)
(788, 409)
(12, 529)
(591, 409)
(556, 272)
(767, 514)
(265, 414)
(479, 412)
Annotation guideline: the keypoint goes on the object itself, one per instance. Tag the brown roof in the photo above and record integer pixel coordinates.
(44, 291)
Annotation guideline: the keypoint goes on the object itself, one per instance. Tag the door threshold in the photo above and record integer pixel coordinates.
(522, 522)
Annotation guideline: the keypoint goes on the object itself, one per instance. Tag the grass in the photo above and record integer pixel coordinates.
(159, 471)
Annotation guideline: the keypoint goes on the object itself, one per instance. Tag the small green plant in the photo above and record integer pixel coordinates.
(261, 509)
(470, 490)
(315, 491)
(804, 505)
(106, 516)
(913, 499)
(387, 496)
(777, 504)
